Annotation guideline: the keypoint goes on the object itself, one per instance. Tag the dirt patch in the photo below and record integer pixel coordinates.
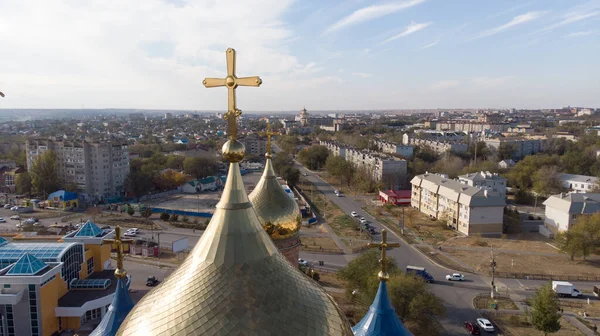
(141, 223)
(443, 260)
(484, 302)
(313, 229)
(331, 280)
(519, 325)
(530, 264)
(579, 306)
(319, 243)
(44, 214)
(514, 242)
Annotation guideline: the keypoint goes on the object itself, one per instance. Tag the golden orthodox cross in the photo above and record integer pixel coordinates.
(118, 241)
(269, 133)
(383, 245)
(232, 82)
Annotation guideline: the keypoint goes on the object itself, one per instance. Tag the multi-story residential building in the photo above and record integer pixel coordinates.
(97, 167)
(439, 147)
(522, 146)
(485, 180)
(578, 183)
(394, 148)
(470, 210)
(389, 170)
(470, 126)
(254, 145)
(563, 209)
(8, 178)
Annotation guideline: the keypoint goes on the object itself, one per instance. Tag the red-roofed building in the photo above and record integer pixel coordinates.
(396, 197)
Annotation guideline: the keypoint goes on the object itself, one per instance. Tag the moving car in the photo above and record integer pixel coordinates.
(2, 220)
(7, 206)
(15, 208)
(455, 277)
(485, 324)
(15, 217)
(420, 272)
(135, 230)
(363, 220)
(302, 262)
(29, 221)
(354, 214)
(472, 328)
(151, 281)
(130, 234)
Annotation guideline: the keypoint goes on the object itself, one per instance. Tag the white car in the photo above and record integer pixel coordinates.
(15, 208)
(2, 220)
(302, 262)
(363, 221)
(485, 324)
(354, 214)
(455, 277)
(7, 206)
(130, 234)
(135, 230)
(15, 217)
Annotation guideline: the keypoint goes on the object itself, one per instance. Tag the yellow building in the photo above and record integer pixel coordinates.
(48, 287)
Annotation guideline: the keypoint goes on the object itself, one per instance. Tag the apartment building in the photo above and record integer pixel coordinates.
(523, 146)
(384, 168)
(470, 126)
(563, 209)
(486, 180)
(97, 167)
(470, 210)
(393, 148)
(254, 145)
(439, 147)
(578, 183)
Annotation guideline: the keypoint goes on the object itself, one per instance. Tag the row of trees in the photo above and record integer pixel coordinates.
(283, 164)
(314, 157)
(582, 238)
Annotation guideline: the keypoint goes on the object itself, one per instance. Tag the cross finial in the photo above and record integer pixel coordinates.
(383, 245)
(1, 94)
(120, 272)
(232, 82)
(268, 134)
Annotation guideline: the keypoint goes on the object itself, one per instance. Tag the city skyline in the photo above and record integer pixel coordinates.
(351, 55)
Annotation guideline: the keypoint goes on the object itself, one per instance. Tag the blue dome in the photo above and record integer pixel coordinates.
(381, 319)
(117, 312)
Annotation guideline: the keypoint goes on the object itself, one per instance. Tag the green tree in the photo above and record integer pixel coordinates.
(146, 213)
(545, 313)
(546, 182)
(570, 243)
(290, 174)
(138, 183)
(175, 162)
(23, 183)
(289, 144)
(130, 210)
(452, 166)
(314, 157)
(44, 178)
(506, 151)
(280, 160)
(200, 167)
(164, 216)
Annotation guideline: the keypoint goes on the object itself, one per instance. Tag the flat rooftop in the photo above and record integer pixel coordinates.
(78, 297)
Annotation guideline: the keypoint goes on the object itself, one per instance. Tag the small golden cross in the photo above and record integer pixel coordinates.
(232, 82)
(120, 271)
(383, 245)
(269, 133)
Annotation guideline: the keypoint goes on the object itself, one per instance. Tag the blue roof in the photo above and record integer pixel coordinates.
(89, 229)
(381, 319)
(117, 312)
(27, 265)
(3, 241)
(90, 283)
(48, 252)
(63, 195)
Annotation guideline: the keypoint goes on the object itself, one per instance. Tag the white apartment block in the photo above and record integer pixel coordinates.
(254, 145)
(470, 210)
(97, 167)
(439, 147)
(563, 209)
(522, 146)
(486, 180)
(578, 183)
(393, 148)
(470, 126)
(383, 167)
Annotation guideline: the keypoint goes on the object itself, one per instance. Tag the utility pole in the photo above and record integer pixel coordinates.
(402, 226)
(158, 256)
(493, 265)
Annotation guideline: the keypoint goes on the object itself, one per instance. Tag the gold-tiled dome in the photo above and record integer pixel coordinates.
(235, 282)
(277, 212)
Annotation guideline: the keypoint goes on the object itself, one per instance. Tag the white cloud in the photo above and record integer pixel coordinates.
(410, 29)
(486, 82)
(445, 84)
(582, 33)
(362, 74)
(112, 54)
(517, 20)
(370, 13)
(569, 18)
(429, 45)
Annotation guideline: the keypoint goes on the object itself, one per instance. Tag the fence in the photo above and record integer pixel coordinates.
(532, 276)
(159, 195)
(571, 304)
(321, 250)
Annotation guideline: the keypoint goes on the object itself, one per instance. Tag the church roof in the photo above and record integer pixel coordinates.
(273, 205)
(381, 319)
(117, 312)
(235, 281)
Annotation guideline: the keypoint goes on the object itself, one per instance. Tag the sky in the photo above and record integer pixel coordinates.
(325, 55)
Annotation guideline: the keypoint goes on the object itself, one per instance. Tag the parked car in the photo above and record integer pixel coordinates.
(302, 262)
(485, 324)
(15, 217)
(354, 214)
(372, 231)
(105, 227)
(596, 290)
(29, 221)
(363, 221)
(472, 328)
(20, 225)
(7, 206)
(2, 220)
(455, 277)
(339, 194)
(15, 208)
(135, 230)
(37, 224)
(151, 281)
(130, 234)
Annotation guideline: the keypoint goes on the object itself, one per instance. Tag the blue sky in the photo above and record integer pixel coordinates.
(327, 55)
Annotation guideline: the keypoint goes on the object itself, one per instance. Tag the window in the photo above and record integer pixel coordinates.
(90, 266)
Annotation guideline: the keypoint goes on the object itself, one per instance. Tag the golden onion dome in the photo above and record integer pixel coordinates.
(235, 282)
(276, 210)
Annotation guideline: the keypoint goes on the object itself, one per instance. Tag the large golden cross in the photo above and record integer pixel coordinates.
(383, 274)
(120, 271)
(232, 82)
